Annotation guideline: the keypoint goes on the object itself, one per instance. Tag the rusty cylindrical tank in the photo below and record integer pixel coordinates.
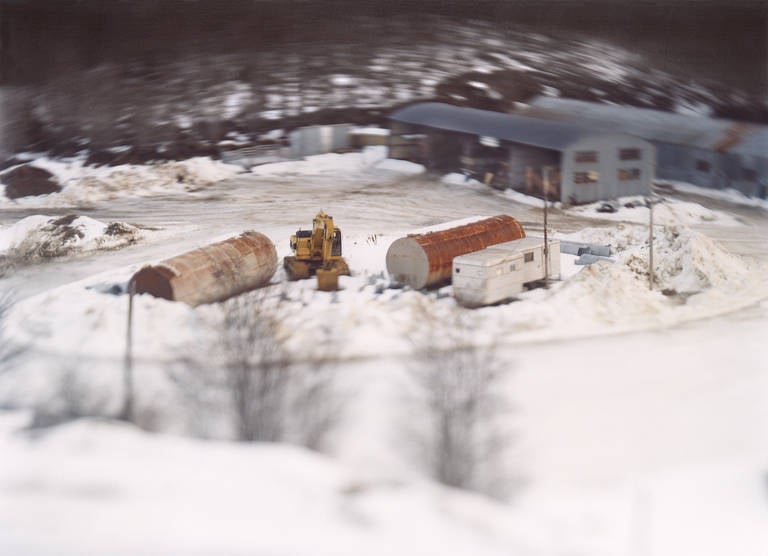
(212, 273)
(424, 260)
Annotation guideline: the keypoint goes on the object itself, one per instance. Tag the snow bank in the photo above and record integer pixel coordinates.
(42, 236)
(329, 163)
(380, 131)
(82, 183)
(684, 260)
(524, 199)
(459, 179)
(400, 166)
(116, 490)
(669, 212)
(729, 195)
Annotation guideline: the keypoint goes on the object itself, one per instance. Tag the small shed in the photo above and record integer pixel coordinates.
(579, 164)
(319, 139)
(487, 277)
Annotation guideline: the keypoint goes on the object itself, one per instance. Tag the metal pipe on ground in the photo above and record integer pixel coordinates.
(424, 260)
(212, 273)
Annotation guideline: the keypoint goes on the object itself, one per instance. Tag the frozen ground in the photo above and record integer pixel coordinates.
(641, 418)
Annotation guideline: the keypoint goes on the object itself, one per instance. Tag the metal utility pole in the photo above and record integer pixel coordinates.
(545, 170)
(126, 414)
(650, 238)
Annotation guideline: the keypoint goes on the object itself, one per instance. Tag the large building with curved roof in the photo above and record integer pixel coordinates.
(709, 152)
(580, 164)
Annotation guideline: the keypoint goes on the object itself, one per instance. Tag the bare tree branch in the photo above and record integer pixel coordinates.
(458, 384)
(271, 393)
(9, 352)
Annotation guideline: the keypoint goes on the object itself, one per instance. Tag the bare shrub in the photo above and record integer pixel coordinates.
(9, 351)
(270, 393)
(465, 433)
(72, 398)
(316, 404)
(255, 368)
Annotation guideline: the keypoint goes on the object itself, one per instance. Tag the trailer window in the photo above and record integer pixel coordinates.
(630, 154)
(628, 174)
(585, 156)
(585, 177)
(528, 257)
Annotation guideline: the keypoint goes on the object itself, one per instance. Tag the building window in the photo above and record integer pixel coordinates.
(585, 156)
(749, 174)
(630, 154)
(528, 257)
(629, 174)
(585, 177)
(703, 165)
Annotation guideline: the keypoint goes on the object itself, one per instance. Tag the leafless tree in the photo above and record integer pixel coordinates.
(458, 388)
(316, 403)
(8, 350)
(272, 393)
(255, 369)
(71, 398)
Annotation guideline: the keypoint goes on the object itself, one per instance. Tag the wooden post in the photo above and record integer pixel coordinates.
(650, 240)
(126, 413)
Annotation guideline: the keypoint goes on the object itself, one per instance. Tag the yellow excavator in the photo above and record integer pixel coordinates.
(318, 248)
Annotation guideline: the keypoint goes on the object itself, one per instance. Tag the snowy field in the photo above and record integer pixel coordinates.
(640, 418)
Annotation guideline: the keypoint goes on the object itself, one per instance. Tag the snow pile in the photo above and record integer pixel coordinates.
(456, 178)
(83, 183)
(524, 199)
(400, 166)
(691, 262)
(608, 293)
(728, 195)
(39, 236)
(685, 261)
(669, 212)
(370, 158)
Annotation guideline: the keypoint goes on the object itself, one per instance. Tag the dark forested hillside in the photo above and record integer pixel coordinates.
(94, 73)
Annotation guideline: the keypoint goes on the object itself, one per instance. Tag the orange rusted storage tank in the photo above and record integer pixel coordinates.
(424, 260)
(212, 273)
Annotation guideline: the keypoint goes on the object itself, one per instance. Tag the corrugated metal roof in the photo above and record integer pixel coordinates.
(655, 125)
(555, 135)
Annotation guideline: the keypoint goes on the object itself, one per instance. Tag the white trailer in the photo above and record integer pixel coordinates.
(501, 271)
(532, 249)
(487, 276)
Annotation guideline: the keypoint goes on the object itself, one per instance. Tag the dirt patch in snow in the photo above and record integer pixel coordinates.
(26, 180)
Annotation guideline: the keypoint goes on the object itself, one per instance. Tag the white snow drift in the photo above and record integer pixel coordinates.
(40, 236)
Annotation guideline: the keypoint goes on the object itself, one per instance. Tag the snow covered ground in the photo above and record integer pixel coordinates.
(640, 416)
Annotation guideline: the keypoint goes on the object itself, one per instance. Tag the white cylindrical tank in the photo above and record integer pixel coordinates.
(424, 260)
